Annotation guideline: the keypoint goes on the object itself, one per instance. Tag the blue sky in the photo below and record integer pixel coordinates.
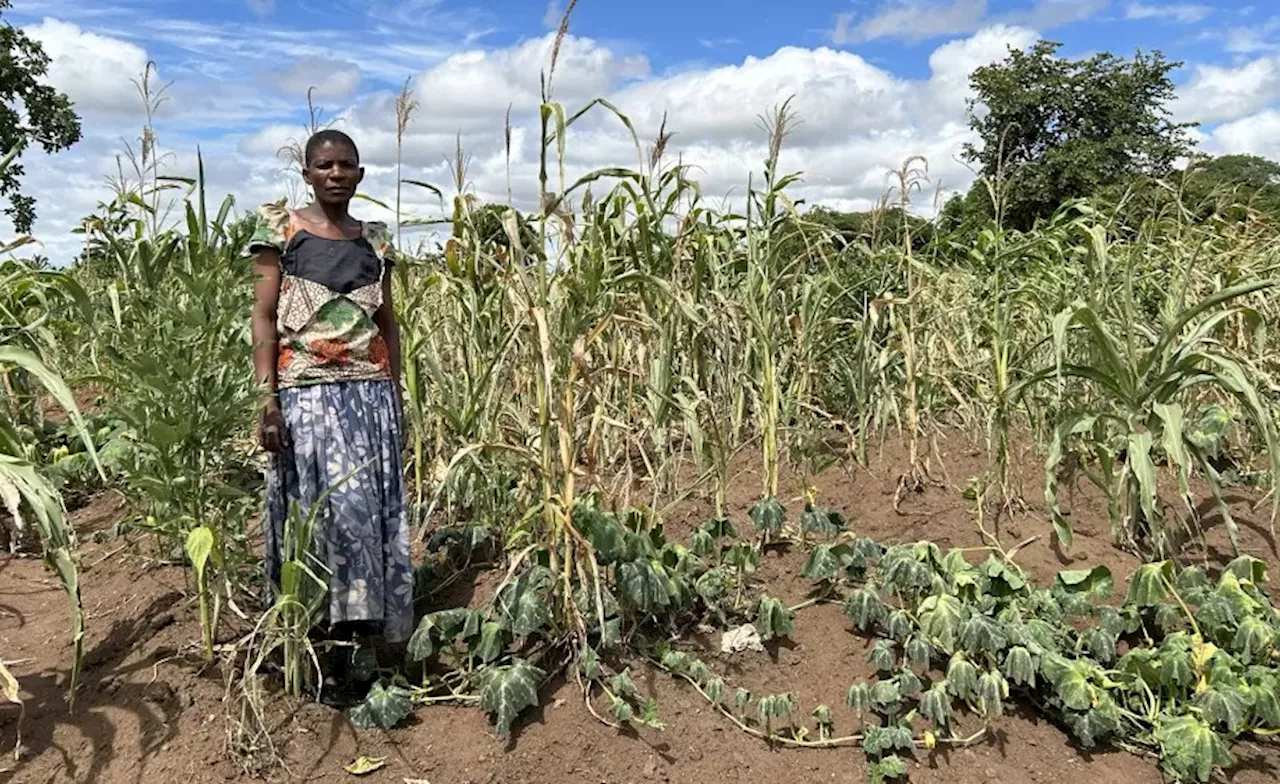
(874, 80)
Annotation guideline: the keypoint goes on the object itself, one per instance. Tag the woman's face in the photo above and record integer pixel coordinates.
(333, 173)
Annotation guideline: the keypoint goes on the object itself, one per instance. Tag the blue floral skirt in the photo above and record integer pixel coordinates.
(345, 439)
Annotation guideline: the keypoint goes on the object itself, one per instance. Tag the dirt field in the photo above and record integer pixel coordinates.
(148, 713)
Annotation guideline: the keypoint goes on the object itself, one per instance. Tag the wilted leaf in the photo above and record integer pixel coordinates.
(935, 705)
(826, 562)
(1149, 585)
(603, 531)
(940, 619)
(768, 515)
(919, 652)
(1190, 750)
(509, 690)
(962, 677)
(493, 641)
(1096, 582)
(363, 766)
(1070, 679)
(1019, 668)
(864, 608)
(773, 619)
(1224, 708)
(981, 634)
(821, 521)
(641, 583)
(1246, 567)
(883, 656)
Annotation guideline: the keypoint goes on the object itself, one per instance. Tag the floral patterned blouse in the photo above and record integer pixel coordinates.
(329, 292)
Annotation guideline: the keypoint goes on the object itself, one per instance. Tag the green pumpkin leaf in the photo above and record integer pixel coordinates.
(935, 705)
(1090, 728)
(1095, 582)
(773, 619)
(1019, 666)
(492, 642)
(642, 584)
(1225, 708)
(1071, 681)
(768, 515)
(702, 544)
(436, 631)
(826, 562)
(383, 708)
(940, 619)
(1254, 640)
(621, 710)
(1149, 585)
(1002, 579)
(882, 655)
(622, 684)
(720, 529)
(1246, 567)
(891, 768)
(523, 602)
(603, 531)
(919, 653)
(864, 608)
(962, 677)
(1189, 749)
(507, 691)
(821, 521)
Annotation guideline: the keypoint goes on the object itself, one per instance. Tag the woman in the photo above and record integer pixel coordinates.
(327, 349)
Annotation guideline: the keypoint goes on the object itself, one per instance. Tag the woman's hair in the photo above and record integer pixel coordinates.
(328, 136)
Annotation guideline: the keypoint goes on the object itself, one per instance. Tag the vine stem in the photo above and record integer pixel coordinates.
(848, 740)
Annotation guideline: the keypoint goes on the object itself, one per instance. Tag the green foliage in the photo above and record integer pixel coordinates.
(506, 691)
(384, 708)
(1189, 749)
(768, 516)
(30, 110)
(821, 521)
(773, 619)
(1054, 129)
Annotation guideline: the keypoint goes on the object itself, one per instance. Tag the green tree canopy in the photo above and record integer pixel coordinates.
(29, 111)
(1054, 129)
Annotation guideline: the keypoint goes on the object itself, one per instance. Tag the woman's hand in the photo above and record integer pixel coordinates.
(273, 434)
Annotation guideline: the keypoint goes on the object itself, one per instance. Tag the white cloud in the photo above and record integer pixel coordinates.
(331, 78)
(1176, 12)
(911, 20)
(859, 119)
(261, 7)
(1218, 93)
(95, 71)
(1255, 135)
(923, 20)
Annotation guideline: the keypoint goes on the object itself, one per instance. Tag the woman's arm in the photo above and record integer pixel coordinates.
(385, 318)
(266, 293)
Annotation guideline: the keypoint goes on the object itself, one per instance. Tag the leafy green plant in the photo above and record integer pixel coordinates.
(1134, 414)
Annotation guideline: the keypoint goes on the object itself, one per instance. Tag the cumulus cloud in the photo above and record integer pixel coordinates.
(1258, 134)
(858, 119)
(1217, 93)
(331, 78)
(95, 71)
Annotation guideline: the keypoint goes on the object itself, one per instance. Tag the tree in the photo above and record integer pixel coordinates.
(1054, 129)
(29, 111)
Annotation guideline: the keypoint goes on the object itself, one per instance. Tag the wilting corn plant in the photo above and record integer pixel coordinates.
(1134, 387)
